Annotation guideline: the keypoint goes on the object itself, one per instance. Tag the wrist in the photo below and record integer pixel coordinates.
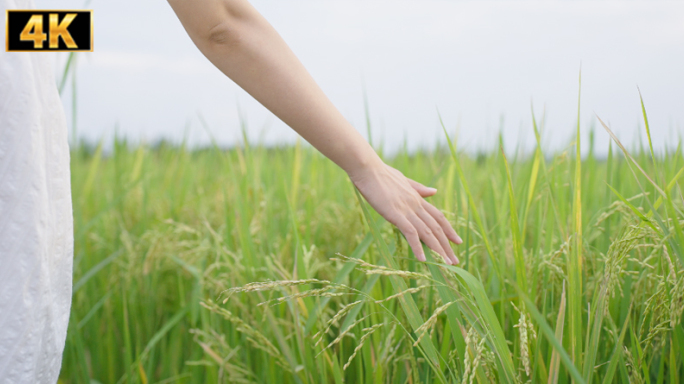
(364, 164)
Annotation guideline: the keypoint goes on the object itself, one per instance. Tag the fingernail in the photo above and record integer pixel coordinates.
(459, 240)
(420, 257)
(432, 189)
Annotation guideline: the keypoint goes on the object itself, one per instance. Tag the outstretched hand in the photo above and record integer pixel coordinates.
(242, 44)
(401, 201)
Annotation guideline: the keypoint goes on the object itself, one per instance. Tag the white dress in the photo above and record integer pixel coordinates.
(36, 227)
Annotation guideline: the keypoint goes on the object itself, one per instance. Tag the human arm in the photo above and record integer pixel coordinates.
(247, 49)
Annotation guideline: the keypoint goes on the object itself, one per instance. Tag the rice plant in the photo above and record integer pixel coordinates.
(264, 265)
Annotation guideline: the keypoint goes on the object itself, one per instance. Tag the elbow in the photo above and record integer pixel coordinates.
(226, 34)
(216, 24)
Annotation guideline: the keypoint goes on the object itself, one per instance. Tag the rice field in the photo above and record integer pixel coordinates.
(263, 265)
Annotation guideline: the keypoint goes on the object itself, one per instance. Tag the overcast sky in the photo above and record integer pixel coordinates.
(482, 64)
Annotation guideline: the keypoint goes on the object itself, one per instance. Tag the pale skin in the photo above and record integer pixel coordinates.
(247, 49)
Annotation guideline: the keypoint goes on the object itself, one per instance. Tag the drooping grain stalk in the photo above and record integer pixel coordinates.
(161, 229)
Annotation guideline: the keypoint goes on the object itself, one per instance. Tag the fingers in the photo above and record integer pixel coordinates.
(438, 233)
(429, 237)
(418, 220)
(443, 222)
(412, 237)
(422, 190)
